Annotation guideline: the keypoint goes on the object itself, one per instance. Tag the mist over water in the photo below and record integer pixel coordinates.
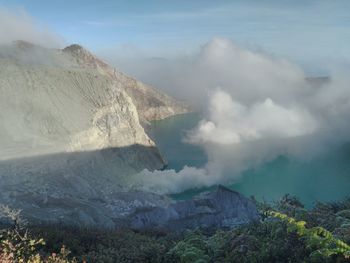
(255, 109)
(324, 178)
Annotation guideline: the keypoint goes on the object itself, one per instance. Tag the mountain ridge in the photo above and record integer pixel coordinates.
(152, 104)
(75, 78)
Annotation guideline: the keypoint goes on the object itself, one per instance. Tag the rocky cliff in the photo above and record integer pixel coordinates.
(70, 128)
(151, 104)
(68, 100)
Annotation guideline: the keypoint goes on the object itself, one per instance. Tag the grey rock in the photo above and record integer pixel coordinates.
(221, 208)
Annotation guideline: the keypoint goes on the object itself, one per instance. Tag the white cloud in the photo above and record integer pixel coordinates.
(264, 108)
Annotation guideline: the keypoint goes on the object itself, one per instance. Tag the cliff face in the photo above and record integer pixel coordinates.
(70, 130)
(68, 100)
(151, 104)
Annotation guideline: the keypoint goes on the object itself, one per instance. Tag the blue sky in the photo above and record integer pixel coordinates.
(307, 32)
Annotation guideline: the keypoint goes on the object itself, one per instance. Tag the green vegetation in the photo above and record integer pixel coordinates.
(287, 233)
(319, 239)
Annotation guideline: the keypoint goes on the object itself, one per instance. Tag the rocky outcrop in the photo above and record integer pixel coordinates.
(221, 208)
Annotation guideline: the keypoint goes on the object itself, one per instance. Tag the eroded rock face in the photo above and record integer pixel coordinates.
(151, 104)
(68, 100)
(70, 132)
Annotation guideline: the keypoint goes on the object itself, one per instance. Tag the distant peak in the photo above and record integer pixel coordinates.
(84, 57)
(79, 51)
(74, 47)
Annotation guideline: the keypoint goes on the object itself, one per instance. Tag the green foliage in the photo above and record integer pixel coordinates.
(318, 239)
(287, 232)
(193, 248)
(96, 245)
(267, 241)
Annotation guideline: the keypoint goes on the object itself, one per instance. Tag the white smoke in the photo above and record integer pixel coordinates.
(231, 122)
(264, 107)
(170, 181)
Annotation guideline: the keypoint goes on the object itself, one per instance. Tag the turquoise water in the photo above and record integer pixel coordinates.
(168, 135)
(326, 178)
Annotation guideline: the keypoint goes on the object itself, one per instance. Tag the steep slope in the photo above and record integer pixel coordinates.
(69, 132)
(151, 104)
(68, 100)
(52, 106)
